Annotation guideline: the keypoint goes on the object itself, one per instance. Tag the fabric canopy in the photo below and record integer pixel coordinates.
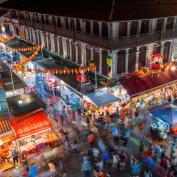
(167, 113)
(30, 123)
(136, 86)
(101, 98)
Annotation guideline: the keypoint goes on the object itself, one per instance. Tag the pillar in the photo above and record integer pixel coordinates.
(70, 49)
(162, 47)
(139, 27)
(27, 34)
(34, 36)
(128, 28)
(154, 25)
(100, 61)
(126, 60)
(175, 22)
(171, 50)
(100, 29)
(150, 25)
(115, 30)
(42, 39)
(47, 41)
(58, 45)
(37, 37)
(137, 58)
(64, 47)
(174, 50)
(83, 22)
(83, 54)
(114, 56)
(165, 23)
(92, 54)
(52, 42)
(31, 36)
(91, 30)
(76, 48)
(149, 53)
(75, 24)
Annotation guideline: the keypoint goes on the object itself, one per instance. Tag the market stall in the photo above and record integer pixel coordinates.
(101, 102)
(32, 130)
(6, 136)
(168, 114)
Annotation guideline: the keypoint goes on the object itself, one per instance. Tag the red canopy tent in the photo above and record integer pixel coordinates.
(30, 123)
(137, 85)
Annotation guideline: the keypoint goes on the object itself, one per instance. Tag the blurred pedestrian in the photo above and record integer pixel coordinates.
(52, 168)
(76, 147)
(122, 160)
(114, 161)
(86, 168)
(141, 148)
(33, 170)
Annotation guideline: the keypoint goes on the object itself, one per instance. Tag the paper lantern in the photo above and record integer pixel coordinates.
(81, 78)
(109, 60)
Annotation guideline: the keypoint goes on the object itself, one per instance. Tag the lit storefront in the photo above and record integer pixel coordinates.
(6, 136)
(100, 103)
(32, 131)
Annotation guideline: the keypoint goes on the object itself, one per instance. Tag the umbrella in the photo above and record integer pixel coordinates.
(91, 138)
(149, 162)
(105, 156)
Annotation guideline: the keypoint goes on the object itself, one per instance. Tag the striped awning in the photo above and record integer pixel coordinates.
(5, 126)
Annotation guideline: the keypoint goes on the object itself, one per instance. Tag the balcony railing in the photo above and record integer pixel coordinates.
(124, 42)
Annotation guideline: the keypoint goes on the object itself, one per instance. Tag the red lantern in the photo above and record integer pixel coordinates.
(81, 78)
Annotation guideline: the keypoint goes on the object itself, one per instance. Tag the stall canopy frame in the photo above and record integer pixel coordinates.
(101, 98)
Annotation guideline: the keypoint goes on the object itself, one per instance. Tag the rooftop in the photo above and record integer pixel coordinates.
(23, 104)
(88, 9)
(6, 78)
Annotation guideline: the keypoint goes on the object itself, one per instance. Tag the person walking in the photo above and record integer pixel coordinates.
(52, 168)
(141, 148)
(33, 170)
(67, 145)
(114, 161)
(122, 161)
(172, 150)
(75, 147)
(15, 157)
(86, 168)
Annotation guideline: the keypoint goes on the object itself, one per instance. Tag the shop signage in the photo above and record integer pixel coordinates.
(37, 126)
(30, 124)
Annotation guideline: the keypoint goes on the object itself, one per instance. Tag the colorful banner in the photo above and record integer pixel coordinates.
(109, 64)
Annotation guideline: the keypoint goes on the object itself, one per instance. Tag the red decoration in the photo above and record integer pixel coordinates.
(81, 78)
(156, 64)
